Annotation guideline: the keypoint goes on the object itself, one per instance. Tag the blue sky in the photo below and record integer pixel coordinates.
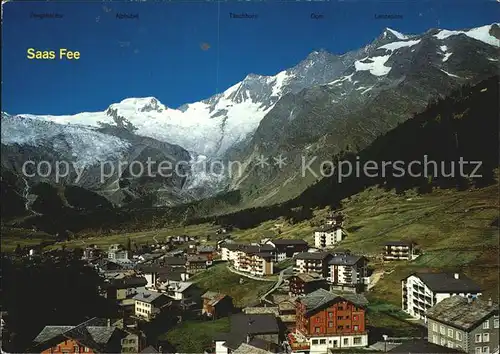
(159, 54)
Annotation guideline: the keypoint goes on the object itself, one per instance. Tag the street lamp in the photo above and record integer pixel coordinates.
(385, 336)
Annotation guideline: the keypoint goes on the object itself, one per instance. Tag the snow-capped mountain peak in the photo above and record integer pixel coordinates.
(389, 31)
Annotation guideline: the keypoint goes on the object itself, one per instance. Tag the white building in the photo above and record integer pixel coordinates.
(421, 291)
(328, 236)
(346, 270)
(117, 252)
(149, 304)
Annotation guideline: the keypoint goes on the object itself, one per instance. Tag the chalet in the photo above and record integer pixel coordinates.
(207, 251)
(121, 289)
(399, 250)
(92, 336)
(312, 262)
(174, 262)
(470, 325)
(327, 320)
(347, 272)
(421, 291)
(196, 263)
(245, 328)
(287, 248)
(328, 236)
(216, 305)
(150, 304)
(306, 283)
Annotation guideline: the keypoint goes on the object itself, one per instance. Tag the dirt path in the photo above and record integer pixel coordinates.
(375, 277)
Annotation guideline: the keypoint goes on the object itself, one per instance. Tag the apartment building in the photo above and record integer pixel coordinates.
(421, 291)
(287, 248)
(327, 321)
(468, 324)
(399, 250)
(312, 262)
(347, 271)
(328, 236)
(306, 283)
(254, 259)
(117, 252)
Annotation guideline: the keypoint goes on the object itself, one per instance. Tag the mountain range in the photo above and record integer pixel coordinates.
(324, 105)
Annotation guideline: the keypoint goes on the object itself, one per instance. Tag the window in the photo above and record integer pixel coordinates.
(316, 329)
(450, 344)
(442, 330)
(486, 337)
(434, 327)
(458, 335)
(76, 349)
(346, 341)
(322, 341)
(315, 341)
(450, 332)
(357, 340)
(486, 324)
(435, 339)
(339, 317)
(486, 349)
(355, 318)
(87, 350)
(478, 339)
(317, 319)
(443, 342)
(356, 328)
(330, 324)
(495, 323)
(330, 314)
(478, 350)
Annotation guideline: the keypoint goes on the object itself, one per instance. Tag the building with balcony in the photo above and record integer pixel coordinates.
(347, 272)
(287, 248)
(467, 324)
(305, 283)
(421, 291)
(312, 262)
(399, 250)
(196, 263)
(92, 336)
(253, 259)
(328, 236)
(329, 321)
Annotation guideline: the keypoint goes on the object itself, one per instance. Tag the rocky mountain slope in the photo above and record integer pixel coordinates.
(325, 104)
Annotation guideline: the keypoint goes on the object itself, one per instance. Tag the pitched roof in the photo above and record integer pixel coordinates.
(447, 283)
(125, 283)
(399, 243)
(174, 261)
(458, 312)
(345, 259)
(93, 333)
(309, 277)
(422, 346)
(213, 297)
(321, 297)
(151, 297)
(195, 258)
(313, 255)
(150, 350)
(286, 242)
(254, 324)
(205, 249)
